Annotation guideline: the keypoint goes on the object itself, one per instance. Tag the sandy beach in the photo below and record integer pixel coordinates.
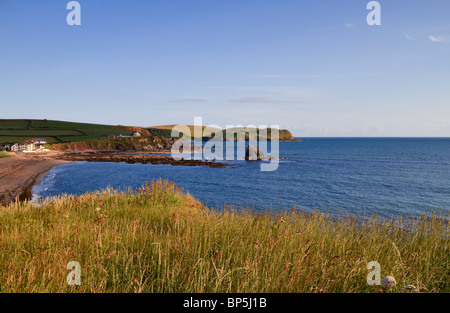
(18, 175)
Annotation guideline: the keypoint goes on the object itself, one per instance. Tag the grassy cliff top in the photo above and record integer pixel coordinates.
(159, 239)
(283, 133)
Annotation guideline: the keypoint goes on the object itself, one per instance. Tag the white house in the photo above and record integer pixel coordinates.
(14, 147)
(133, 134)
(27, 146)
(40, 142)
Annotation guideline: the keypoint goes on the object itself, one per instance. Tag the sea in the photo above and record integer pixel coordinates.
(385, 176)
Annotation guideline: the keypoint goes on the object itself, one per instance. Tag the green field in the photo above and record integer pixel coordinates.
(12, 131)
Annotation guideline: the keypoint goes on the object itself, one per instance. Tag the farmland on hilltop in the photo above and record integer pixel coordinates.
(12, 131)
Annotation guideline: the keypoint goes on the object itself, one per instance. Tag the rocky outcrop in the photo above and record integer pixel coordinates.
(132, 159)
(255, 154)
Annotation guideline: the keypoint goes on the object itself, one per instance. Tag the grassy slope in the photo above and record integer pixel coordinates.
(284, 133)
(169, 127)
(54, 131)
(159, 240)
(4, 154)
(12, 131)
(166, 130)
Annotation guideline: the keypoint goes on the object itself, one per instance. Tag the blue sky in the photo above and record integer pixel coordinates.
(314, 67)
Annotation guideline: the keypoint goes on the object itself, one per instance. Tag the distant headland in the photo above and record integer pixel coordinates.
(28, 136)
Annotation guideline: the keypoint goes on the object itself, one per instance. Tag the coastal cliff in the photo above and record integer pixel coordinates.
(143, 144)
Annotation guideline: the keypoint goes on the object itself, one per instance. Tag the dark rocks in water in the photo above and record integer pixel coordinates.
(132, 159)
(253, 153)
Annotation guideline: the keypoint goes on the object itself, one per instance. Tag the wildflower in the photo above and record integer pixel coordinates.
(101, 218)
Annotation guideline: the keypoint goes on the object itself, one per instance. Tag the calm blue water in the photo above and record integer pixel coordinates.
(390, 176)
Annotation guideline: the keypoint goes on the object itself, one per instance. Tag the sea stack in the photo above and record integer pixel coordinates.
(253, 153)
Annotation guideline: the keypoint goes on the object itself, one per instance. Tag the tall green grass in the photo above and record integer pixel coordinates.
(159, 239)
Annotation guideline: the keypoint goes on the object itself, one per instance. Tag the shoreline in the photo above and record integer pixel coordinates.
(27, 193)
(19, 174)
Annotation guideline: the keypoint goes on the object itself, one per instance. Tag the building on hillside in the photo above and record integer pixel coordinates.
(14, 147)
(30, 145)
(27, 146)
(40, 143)
(133, 134)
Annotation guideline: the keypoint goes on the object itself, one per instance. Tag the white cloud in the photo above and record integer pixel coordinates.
(349, 25)
(259, 100)
(436, 39)
(190, 99)
(288, 76)
(275, 91)
(272, 76)
(409, 37)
